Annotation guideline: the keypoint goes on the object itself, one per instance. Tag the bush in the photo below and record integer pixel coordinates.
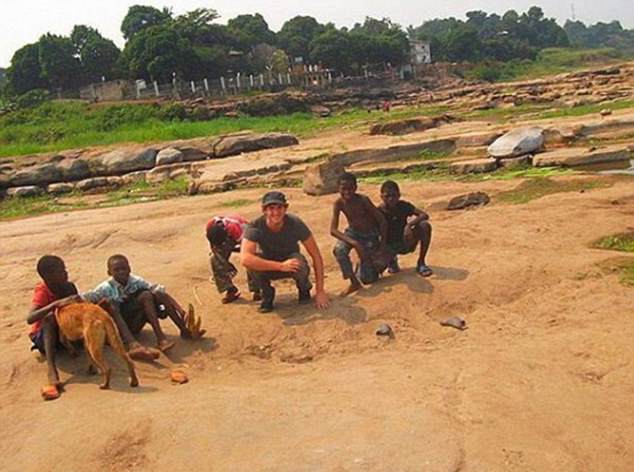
(33, 98)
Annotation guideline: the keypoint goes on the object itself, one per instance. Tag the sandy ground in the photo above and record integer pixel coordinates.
(542, 379)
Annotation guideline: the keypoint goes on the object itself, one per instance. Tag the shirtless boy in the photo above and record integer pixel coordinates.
(366, 233)
(403, 233)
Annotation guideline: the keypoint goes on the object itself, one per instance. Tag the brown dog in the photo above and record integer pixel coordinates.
(93, 324)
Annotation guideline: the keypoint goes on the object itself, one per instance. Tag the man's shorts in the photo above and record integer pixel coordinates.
(37, 339)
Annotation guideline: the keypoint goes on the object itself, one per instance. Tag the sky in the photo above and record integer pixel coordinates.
(24, 21)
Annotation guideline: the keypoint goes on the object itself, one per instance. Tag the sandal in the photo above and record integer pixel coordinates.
(50, 392)
(424, 270)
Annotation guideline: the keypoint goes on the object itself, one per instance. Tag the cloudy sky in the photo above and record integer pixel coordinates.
(24, 21)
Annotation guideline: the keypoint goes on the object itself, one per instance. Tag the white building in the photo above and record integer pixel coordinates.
(420, 52)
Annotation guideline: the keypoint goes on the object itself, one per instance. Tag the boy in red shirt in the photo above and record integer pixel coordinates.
(53, 292)
(224, 234)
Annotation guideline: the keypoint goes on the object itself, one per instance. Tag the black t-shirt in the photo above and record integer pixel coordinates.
(279, 245)
(397, 219)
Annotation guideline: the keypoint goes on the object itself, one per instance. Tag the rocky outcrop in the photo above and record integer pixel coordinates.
(395, 153)
(125, 160)
(237, 144)
(571, 157)
(412, 125)
(168, 156)
(25, 191)
(473, 166)
(470, 199)
(321, 179)
(517, 142)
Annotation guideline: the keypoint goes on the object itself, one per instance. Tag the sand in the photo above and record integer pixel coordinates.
(541, 380)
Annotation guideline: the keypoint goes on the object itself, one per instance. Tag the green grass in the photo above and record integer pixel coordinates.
(618, 242)
(443, 173)
(624, 266)
(236, 203)
(586, 109)
(16, 207)
(535, 188)
(58, 126)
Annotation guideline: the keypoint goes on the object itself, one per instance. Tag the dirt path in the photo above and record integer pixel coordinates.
(542, 379)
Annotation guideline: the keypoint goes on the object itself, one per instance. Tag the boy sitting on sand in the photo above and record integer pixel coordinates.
(224, 234)
(137, 302)
(366, 233)
(404, 235)
(53, 292)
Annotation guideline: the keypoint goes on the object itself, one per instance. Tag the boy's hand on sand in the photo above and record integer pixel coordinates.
(290, 265)
(321, 300)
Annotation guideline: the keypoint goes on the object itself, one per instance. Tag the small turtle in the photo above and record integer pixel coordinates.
(385, 330)
(455, 322)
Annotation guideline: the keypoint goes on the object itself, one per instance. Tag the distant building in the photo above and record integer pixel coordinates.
(420, 52)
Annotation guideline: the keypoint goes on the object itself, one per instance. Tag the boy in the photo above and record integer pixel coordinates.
(136, 302)
(403, 236)
(53, 292)
(366, 233)
(224, 234)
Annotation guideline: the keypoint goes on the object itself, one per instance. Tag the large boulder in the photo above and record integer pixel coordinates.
(25, 191)
(169, 156)
(124, 160)
(41, 174)
(74, 169)
(237, 144)
(517, 143)
(60, 188)
(90, 184)
(321, 179)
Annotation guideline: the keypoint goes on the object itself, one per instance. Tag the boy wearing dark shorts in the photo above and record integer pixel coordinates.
(55, 291)
(403, 235)
(137, 302)
(366, 233)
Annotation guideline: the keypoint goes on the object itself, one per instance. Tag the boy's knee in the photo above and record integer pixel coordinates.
(424, 226)
(146, 296)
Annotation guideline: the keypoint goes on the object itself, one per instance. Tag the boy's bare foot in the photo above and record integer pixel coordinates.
(50, 392)
(231, 295)
(165, 345)
(140, 353)
(354, 286)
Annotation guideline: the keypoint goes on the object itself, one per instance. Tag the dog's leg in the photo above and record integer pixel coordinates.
(95, 337)
(67, 344)
(115, 342)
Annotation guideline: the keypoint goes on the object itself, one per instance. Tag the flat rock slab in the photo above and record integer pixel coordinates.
(474, 166)
(571, 157)
(517, 142)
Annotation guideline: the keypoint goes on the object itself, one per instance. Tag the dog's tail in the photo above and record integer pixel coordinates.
(115, 343)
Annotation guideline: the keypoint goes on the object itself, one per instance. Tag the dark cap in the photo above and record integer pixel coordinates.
(273, 197)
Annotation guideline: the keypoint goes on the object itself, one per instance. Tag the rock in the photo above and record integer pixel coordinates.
(89, 184)
(477, 139)
(158, 175)
(168, 156)
(395, 153)
(385, 330)
(571, 157)
(25, 191)
(454, 322)
(321, 179)
(409, 126)
(517, 142)
(231, 145)
(194, 154)
(134, 177)
(114, 181)
(470, 199)
(513, 163)
(74, 169)
(321, 111)
(36, 175)
(60, 188)
(473, 166)
(124, 160)
(605, 112)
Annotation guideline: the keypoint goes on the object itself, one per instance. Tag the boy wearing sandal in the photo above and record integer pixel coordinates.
(52, 293)
(403, 235)
(137, 302)
(224, 234)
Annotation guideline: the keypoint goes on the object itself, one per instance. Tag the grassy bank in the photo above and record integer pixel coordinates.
(58, 126)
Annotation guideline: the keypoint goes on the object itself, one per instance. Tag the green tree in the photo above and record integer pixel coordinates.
(296, 35)
(25, 73)
(253, 28)
(140, 17)
(333, 49)
(98, 55)
(58, 62)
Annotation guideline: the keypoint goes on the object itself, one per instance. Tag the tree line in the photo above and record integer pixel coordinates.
(162, 46)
